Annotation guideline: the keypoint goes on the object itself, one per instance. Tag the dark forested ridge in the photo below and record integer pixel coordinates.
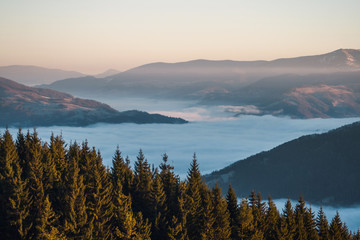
(323, 167)
(54, 191)
(25, 106)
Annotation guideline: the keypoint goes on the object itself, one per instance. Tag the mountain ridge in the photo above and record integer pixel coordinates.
(23, 106)
(323, 167)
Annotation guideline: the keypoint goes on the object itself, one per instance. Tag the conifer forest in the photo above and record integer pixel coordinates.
(58, 190)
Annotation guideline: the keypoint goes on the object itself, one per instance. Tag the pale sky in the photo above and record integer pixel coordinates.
(92, 36)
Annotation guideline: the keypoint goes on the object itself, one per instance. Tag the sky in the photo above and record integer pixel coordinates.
(92, 36)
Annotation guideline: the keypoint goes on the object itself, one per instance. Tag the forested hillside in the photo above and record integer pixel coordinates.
(323, 167)
(59, 191)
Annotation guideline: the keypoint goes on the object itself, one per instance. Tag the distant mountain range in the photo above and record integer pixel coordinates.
(33, 75)
(324, 168)
(23, 106)
(304, 87)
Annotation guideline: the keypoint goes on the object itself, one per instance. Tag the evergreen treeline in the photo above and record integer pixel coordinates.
(54, 191)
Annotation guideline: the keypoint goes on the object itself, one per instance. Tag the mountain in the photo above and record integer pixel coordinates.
(322, 86)
(298, 96)
(107, 73)
(33, 75)
(323, 167)
(187, 78)
(23, 106)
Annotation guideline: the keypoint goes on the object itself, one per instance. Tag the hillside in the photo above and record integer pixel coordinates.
(24, 106)
(323, 167)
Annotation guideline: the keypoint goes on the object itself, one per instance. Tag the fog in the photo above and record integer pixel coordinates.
(216, 143)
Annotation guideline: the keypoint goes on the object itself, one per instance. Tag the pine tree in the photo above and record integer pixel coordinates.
(258, 211)
(46, 228)
(322, 225)
(300, 232)
(271, 220)
(57, 161)
(23, 151)
(142, 186)
(194, 205)
(234, 211)
(177, 225)
(15, 200)
(170, 184)
(36, 180)
(176, 230)
(124, 222)
(282, 229)
(75, 200)
(207, 218)
(310, 224)
(100, 200)
(221, 215)
(289, 216)
(121, 170)
(357, 235)
(335, 229)
(159, 209)
(246, 219)
(143, 228)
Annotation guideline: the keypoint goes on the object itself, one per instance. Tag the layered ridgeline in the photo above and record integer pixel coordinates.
(33, 75)
(326, 85)
(323, 167)
(49, 191)
(26, 106)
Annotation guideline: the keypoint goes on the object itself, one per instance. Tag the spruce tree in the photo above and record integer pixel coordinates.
(170, 184)
(58, 155)
(322, 225)
(234, 211)
(176, 230)
(271, 220)
(75, 216)
(300, 232)
(143, 228)
(100, 200)
(158, 209)
(335, 229)
(194, 203)
(289, 216)
(14, 196)
(121, 170)
(142, 186)
(246, 219)
(282, 229)
(124, 222)
(207, 218)
(47, 227)
(258, 211)
(221, 215)
(36, 180)
(310, 224)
